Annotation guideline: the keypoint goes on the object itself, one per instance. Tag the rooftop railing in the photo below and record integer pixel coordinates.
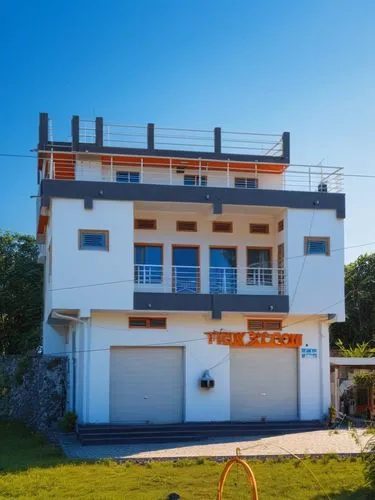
(176, 173)
(97, 133)
(185, 139)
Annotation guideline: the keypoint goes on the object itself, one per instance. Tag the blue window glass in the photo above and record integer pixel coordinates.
(317, 247)
(222, 257)
(195, 180)
(223, 272)
(128, 177)
(259, 264)
(186, 275)
(259, 257)
(95, 240)
(245, 183)
(148, 264)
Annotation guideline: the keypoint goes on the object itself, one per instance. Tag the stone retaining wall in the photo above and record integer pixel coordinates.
(33, 389)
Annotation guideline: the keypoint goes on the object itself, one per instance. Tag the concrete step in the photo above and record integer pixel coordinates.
(200, 432)
(195, 426)
(143, 434)
(140, 440)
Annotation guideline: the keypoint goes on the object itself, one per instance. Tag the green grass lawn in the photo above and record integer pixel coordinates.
(31, 468)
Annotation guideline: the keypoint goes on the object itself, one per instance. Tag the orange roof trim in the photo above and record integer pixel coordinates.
(66, 160)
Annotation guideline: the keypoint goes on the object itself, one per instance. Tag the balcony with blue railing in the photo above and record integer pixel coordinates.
(213, 280)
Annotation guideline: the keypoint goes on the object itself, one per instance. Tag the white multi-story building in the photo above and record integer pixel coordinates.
(189, 275)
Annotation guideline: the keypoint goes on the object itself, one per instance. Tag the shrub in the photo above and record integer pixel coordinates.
(23, 365)
(369, 457)
(68, 422)
(200, 461)
(54, 363)
(331, 415)
(4, 384)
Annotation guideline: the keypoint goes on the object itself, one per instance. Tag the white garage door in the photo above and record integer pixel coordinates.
(146, 385)
(263, 384)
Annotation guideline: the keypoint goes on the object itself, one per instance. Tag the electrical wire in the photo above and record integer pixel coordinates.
(304, 261)
(361, 245)
(181, 341)
(301, 460)
(359, 176)
(194, 340)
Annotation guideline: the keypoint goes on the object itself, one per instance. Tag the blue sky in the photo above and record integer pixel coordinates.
(262, 66)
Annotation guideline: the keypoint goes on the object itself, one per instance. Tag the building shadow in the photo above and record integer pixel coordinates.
(360, 494)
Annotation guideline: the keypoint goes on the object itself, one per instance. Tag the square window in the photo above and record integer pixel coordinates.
(317, 245)
(93, 240)
(195, 180)
(246, 183)
(128, 177)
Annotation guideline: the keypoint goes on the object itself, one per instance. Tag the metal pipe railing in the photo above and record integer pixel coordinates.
(221, 280)
(175, 172)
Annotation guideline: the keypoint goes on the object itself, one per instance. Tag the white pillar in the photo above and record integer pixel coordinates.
(324, 367)
(86, 331)
(336, 389)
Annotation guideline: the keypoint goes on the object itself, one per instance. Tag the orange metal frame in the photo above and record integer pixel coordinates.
(249, 475)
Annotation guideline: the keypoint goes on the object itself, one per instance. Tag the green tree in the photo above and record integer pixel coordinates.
(21, 292)
(360, 350)
(360, 303)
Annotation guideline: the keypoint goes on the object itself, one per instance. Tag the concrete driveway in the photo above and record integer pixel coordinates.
(304, 443)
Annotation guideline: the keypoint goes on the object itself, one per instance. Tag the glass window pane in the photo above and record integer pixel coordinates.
(185, 257)
(194, 180)
(127, 177)
(134, 177)
(316, 247)
(148, 264)
(259, 257)
(139, 255)
(189, 180)
(223, 257)
(148, 255)
(243, 182)
(153, 255)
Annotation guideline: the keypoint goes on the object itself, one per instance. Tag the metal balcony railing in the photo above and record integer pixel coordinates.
(182, 139)
(213, 280)
(175, 173)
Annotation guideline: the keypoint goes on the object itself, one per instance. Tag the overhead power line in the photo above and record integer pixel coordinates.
(304, 260)
(360, 176)
(116, 282)
(187, 341)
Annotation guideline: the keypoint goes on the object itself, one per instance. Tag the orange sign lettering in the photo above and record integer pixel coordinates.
(256, 340)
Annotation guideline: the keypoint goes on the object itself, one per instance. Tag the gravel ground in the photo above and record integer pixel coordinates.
(305, 443)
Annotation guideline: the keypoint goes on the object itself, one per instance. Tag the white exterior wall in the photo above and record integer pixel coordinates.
(315, 282)
(314, 376)
(187, 331)
(93, 171)
(70, 355)
(53, 339)
(72, 267)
